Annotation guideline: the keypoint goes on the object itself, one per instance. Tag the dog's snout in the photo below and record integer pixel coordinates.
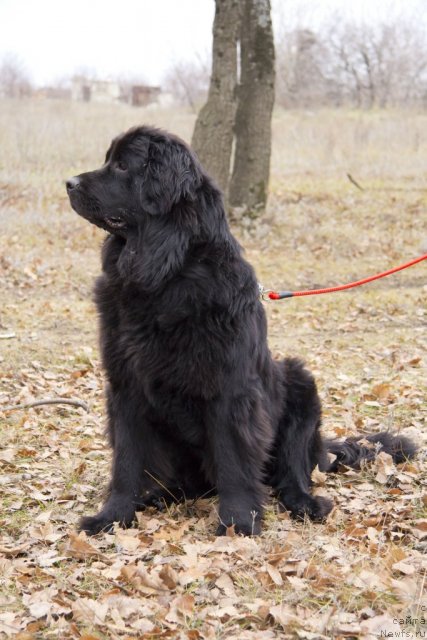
(72, 183)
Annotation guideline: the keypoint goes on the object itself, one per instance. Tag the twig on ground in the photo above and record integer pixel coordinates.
(353, 181)
(39, 403)
(161, 485)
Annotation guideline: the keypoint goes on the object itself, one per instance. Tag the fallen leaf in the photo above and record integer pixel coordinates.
(90, 611)
(9, 623)
(142, 579)
(274, 574)
(382, 392)
(379, 626)
(318, 477)
(384, 466)
(404, 567)
(284, 615)
(181, 607)
(226, 584)
(169, 576)
(299, 584)
(79, 547)
(127, 540)
(124, 605)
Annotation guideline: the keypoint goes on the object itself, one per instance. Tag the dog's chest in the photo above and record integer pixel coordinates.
(162, 350)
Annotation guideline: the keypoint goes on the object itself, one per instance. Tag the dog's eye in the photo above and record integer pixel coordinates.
(120, 165)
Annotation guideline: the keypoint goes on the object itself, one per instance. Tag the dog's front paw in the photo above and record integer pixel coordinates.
(321, 508)
(314, 507)
(114, 511)
(95, 524)
(252, 528)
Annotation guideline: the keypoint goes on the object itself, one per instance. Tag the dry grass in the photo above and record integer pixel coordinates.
(379, 148)
(349, 578)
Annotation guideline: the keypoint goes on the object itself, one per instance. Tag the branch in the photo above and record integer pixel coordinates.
(38, 403)
(353, 181)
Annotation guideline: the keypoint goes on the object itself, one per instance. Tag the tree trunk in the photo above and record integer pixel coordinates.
(249, 182)
(213, 132)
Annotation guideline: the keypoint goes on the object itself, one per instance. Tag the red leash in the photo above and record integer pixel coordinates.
(280, 295)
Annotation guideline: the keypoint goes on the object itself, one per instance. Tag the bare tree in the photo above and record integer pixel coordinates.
(353, 64)
(241, 108)
(188, 82)
(14, 79)
(213, 131)
(251, 170)
(302, 69)
(383, 66)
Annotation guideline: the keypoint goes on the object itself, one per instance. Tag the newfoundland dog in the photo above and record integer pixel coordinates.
(195, 402)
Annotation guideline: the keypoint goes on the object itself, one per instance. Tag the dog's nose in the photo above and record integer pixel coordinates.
(72, 183)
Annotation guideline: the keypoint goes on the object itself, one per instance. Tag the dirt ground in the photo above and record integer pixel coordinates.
(362, 574)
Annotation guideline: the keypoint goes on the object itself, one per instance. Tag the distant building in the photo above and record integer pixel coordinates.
(141, 95)
(86, 90)
(55, 93)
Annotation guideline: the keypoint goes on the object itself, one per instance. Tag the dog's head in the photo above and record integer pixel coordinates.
(146, 192)
(147, 172)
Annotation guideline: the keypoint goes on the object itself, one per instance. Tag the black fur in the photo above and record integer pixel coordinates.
(195, 401)
(353, 452)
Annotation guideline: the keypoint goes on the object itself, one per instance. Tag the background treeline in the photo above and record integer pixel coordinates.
(343, 64)
(353, 65)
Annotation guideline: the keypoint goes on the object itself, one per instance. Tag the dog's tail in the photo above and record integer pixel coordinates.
(355, 451)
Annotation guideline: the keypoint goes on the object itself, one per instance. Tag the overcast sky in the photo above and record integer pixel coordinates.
(142, 38)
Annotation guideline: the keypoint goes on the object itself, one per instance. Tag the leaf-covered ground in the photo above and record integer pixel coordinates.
(360, 575)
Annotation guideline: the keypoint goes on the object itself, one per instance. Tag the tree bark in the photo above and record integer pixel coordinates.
(213, 132)
(249, 182)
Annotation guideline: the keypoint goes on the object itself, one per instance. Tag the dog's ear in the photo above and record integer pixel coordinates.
(156, 254)
(172, 174)
(170, 179)
(162, 252)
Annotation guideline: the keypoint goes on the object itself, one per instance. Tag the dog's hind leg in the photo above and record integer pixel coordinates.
(298, 446)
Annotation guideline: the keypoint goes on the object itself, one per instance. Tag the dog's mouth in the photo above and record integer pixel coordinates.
(91, 209)
(115, 222)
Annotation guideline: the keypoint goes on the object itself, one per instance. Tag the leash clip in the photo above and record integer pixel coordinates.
(263, 292)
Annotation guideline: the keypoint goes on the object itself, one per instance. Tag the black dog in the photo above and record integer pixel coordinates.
(195, 401)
